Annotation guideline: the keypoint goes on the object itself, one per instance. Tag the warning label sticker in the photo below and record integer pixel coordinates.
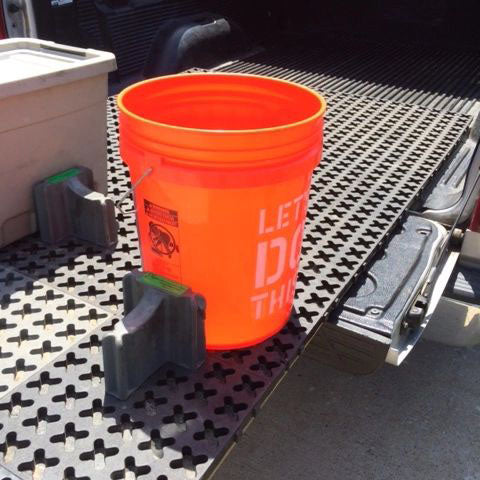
(163, 215)
(164, 236)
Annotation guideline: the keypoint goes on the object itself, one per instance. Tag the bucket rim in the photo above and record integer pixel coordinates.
(320, 113)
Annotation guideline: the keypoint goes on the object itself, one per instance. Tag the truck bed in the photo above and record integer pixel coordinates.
(385, 139)
(434, 77)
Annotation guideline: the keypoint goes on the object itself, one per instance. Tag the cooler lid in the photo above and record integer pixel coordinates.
(28, 64)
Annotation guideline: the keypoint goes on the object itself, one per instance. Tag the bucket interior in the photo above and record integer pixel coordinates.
(221, 102)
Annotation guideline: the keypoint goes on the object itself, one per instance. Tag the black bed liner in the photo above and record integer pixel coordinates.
(436, 78)
(57, 303)
(429, 76)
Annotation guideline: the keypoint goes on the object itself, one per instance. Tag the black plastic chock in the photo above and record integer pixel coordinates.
(66, 206)
(164, 322)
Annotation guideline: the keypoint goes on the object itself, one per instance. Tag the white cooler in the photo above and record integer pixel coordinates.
(52, 117)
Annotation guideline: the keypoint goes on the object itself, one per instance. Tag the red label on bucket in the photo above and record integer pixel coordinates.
(163, 233)
(163, 215)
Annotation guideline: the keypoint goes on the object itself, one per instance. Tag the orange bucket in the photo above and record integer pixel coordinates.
(229, 160)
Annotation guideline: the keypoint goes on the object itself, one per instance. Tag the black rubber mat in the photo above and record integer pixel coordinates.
(433, 77)
(57, 303)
